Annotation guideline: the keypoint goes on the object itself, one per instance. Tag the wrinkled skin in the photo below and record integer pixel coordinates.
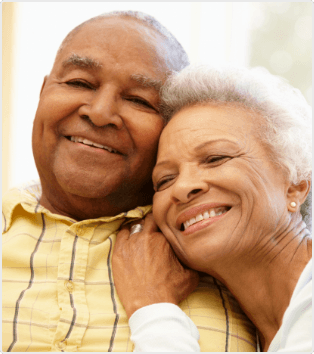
(103, 103)
(146, 270)
(211, 157)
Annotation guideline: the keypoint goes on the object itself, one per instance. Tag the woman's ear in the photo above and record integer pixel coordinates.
(297, 194)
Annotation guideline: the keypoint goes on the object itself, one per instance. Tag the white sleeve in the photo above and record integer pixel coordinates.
(297, 326)
(163, 327)
(295, 333)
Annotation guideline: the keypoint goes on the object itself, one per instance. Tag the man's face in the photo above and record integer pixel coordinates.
(97, 125)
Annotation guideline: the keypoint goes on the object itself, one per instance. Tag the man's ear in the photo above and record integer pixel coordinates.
(43, 85)
(297, 194)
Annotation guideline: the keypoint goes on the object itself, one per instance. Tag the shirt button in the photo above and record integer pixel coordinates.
(69, 285)
(61, 345)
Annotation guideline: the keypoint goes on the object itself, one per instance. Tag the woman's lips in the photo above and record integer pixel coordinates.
(202, 214)
(199, 225)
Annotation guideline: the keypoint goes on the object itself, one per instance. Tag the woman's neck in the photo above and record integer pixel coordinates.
(264, 287)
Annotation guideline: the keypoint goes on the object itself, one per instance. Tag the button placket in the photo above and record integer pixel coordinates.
(69, 285)
(61, 345)
(72, 291)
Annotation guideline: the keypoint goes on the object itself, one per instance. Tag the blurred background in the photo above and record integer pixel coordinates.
(276, 35)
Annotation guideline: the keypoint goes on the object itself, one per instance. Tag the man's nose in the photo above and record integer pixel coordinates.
(102, 109)
(188, 186)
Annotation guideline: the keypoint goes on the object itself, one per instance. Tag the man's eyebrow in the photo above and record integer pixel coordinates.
(146, 81)
(83, 62)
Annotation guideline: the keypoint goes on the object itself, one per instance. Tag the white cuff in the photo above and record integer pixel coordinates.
(163, 327)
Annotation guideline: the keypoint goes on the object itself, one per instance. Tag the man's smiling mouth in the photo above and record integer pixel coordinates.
(210, 213)
(78, 139)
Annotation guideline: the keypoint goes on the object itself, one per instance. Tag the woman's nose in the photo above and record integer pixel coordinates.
(188, 186)
(102, 109)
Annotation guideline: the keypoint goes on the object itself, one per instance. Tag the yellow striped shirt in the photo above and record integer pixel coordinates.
(58, 290)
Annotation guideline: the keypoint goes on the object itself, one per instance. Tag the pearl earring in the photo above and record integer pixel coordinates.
(293, 204)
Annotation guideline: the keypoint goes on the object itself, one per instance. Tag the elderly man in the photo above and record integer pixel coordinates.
(94, 141)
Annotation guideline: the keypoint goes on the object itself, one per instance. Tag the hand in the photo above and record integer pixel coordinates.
(146, 270)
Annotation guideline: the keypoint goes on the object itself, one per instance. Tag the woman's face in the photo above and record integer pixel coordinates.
(218, 194)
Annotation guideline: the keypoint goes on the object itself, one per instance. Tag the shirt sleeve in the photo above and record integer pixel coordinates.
(295, 333)
(163, 327)
(297, 327)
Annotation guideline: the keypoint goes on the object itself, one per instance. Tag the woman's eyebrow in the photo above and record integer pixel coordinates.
(158, 164)
(213, 142)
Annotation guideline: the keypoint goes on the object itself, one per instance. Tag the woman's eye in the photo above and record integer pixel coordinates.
(80, 84)
(163, 183)
(216, 160)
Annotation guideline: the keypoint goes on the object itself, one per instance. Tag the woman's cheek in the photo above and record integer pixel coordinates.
(161, 208)
(157, 207)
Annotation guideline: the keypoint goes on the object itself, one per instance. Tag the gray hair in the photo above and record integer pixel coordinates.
(178, 58)
(288, 117)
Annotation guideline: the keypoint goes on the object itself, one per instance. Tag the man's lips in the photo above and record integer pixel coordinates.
(200, 213)
(85, 141)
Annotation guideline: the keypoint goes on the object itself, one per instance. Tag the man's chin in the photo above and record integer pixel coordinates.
(87, 189)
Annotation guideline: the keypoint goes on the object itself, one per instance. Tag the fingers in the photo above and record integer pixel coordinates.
(122, 237)
(124, 234)
(150, 224)
(136, 227)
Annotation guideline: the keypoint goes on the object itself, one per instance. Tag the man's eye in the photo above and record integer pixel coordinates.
(80, 84)
(140, 102)
(163, 183)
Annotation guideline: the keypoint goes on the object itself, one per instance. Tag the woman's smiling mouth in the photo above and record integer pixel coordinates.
(208, 214)
(200, 217)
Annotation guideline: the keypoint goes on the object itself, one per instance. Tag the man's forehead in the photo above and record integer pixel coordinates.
(113, 24)
(116, 32)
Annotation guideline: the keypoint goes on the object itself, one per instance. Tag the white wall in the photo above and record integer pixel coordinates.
(212, 32)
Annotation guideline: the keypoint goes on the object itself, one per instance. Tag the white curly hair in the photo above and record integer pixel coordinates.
(288, 117)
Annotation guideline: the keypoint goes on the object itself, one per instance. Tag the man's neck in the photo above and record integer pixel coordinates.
(80, 208)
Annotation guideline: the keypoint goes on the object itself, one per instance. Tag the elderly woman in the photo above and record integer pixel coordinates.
(232, 173)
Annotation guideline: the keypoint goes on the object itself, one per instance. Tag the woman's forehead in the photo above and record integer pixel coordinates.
(208, 120)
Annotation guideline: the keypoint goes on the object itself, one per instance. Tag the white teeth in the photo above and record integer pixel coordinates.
(78, 139)
(212, 213)
(87, 142)
(98, 145)
(199, 217)
(192, 221)
(206, 215)
(186, 225)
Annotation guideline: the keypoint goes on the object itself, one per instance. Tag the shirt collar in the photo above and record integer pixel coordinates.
(28, 196)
